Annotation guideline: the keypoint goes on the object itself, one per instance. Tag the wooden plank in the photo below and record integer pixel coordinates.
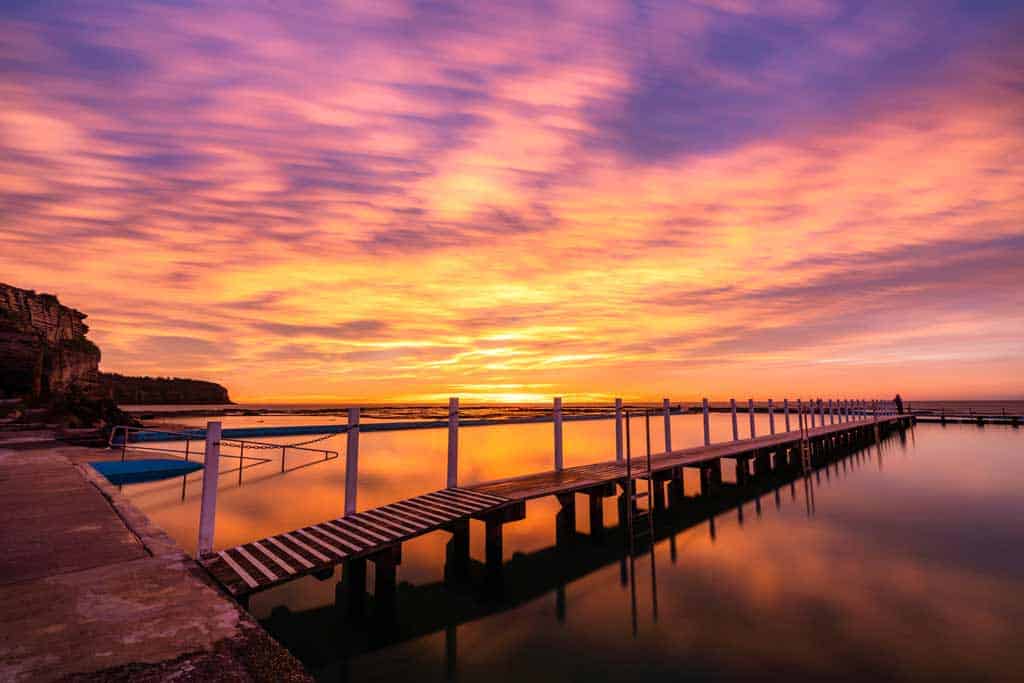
(270, 561)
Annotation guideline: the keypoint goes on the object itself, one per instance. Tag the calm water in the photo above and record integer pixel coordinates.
(909, 564)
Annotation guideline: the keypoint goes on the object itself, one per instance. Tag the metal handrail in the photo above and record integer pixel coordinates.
(197, 435)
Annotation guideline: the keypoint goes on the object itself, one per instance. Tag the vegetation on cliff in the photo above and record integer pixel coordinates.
(162, 390)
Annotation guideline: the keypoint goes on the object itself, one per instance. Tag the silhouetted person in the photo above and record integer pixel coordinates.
(899, 404)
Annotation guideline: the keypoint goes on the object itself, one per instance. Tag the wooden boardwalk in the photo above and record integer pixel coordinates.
(252, 567)
(261, 564)
(583, 477)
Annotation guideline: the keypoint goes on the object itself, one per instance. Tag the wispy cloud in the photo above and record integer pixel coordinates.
(396, 200)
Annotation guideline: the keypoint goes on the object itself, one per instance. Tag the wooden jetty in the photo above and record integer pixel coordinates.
(532, 575)
(378, 534)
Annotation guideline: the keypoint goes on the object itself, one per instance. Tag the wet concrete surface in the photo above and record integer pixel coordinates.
(90, 590)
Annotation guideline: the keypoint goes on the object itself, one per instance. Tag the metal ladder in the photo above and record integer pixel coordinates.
(806, 464)
(633, 513)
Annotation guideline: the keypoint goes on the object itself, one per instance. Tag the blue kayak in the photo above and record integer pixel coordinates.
(137, 471)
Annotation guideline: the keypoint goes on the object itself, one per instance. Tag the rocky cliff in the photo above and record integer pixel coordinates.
(166, 390)
(43, 349)
(45, 357)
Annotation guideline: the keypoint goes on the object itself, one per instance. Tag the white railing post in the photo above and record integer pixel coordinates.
(785, 411)
(735, 428)
(771, 417)
(453, 442)
(211, 475)
(668, 424)
(618, 430)
(352, 462)
(750, 409)
(558, 434)
(707, 424)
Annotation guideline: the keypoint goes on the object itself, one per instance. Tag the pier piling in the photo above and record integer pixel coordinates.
(453, 442)
(735, 427)
(668, 424)
(750, 410)
(557, 415)
(352, 462)
(618, 430)
(707, 424)
(211, 475)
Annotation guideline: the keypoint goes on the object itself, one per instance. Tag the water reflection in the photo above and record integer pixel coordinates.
(899, 560)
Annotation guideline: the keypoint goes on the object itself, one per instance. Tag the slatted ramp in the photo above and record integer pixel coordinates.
(258, 565)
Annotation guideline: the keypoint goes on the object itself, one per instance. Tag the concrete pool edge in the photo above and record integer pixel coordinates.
(139, 607)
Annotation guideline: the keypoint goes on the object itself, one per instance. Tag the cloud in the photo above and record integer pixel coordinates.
(592, 198)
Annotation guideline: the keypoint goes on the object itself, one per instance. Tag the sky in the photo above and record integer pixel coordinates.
(400, 201)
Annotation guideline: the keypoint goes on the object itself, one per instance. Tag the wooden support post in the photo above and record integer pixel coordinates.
(558, 434)
(352, 462)
(658, 493)
(385, 584)
(710, 477)
(354, 579)
(456, 566)
(831, 413)
(771, 417)
(750, 411)
(565, 519)
(735, 428)
(821, 412)
(763, 462)
(810, 407)
(785, 411)
(211, 475)
(453, 442)
(668, 424)
(596, 515)
(618, 430)
(676, 493)
(707, 424)
(494, 548)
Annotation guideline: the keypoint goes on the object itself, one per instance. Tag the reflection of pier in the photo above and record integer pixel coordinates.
(378, 534)
(473, 590)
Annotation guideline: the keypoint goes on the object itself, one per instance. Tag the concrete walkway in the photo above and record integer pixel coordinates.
(90, 590)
